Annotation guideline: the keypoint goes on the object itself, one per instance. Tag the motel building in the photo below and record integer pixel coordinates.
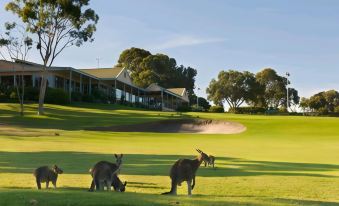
(112, 81)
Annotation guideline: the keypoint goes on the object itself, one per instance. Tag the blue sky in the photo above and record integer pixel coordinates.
(301, 37)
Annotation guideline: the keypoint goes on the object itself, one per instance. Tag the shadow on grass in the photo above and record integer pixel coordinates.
(156, 165)
(71, 119)
(16, 197)
(306, 202)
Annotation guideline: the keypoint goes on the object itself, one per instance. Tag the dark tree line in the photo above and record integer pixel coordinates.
(147, 68)
(266, 89)
(325, 102)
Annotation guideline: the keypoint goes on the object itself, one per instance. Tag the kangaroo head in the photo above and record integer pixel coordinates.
(122, 186)
(118, 158)
(203, 157)
(57, 170)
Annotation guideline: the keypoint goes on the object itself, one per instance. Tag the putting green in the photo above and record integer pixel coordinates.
(278, 160)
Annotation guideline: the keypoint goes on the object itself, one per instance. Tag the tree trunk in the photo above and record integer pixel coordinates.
(43, 87)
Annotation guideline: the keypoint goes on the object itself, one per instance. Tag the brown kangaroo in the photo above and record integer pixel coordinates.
(106, 173)
(46, 174)
(185, 170)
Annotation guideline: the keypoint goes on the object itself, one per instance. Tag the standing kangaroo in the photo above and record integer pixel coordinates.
(185, 170)
(46, 174)
(105, 173)
(211, 160)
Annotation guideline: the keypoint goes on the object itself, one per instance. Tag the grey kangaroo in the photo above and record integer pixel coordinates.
(105, 173)
(185, 170)
(46, 174)
(210, 162)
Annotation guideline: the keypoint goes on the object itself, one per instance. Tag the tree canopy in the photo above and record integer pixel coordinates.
(233, 87)
(265, 89)
(56, 25)
(322, 102)
(147, 68)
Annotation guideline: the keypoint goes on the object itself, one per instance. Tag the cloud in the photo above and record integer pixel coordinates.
(186, 40)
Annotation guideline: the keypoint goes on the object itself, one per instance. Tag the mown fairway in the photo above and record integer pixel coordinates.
(277, 161)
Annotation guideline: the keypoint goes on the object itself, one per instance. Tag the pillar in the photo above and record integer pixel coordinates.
(81, 89)
(162, 99)
(90, 86)
(70, 86)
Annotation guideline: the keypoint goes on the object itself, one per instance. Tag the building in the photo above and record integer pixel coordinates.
(114, 82)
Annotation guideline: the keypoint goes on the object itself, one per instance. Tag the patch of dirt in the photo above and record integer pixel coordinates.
(201, 126)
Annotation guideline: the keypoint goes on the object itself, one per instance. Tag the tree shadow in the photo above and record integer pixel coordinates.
(73, 197)
(156, 165)
(305, 202)
(76, 118)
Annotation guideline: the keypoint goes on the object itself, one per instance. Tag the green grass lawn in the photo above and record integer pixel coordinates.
(279, 160)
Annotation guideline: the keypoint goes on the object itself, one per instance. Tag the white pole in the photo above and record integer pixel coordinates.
(287, 98)
(198, 98)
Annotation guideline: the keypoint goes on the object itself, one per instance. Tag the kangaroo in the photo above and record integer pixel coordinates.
(118, 158)
(185, 170)
(210, 161)
(46, 174)
(118, 185)
(103, 173)
(106, 173)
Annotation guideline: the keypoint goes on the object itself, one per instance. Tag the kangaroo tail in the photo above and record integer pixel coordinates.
(173, 188)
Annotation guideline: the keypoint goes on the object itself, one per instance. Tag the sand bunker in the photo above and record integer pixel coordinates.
(200, 126)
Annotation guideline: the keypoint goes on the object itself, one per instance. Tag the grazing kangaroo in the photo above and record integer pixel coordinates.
(185, 170)
(211, 160)
(46, 174)
(118, 185)
(105, 173)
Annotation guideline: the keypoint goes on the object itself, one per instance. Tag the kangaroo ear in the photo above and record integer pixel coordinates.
(116, 156)
(121, 155)
(125, 183)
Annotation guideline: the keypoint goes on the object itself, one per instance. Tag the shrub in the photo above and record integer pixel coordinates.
(196, 108)
(88, 98)
(271, 111)
(248, 110)
(99, 95)
(216, 109)
(13, 95)
(56, 96)
(184, 108)
(323, 111)
(336, 109)
(31, 93)
(76, 96)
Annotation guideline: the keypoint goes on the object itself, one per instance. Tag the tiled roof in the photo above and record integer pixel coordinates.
(103, 73)
(178, 91)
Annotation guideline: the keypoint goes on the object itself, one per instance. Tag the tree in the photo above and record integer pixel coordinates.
(233, 87)
(185, 77)
(305, 104)
(204, 103)
(332, 99)
(147, 68)
(131, 58)
(273, 88)
(293, 98)
(16, 43)
(56, 25)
